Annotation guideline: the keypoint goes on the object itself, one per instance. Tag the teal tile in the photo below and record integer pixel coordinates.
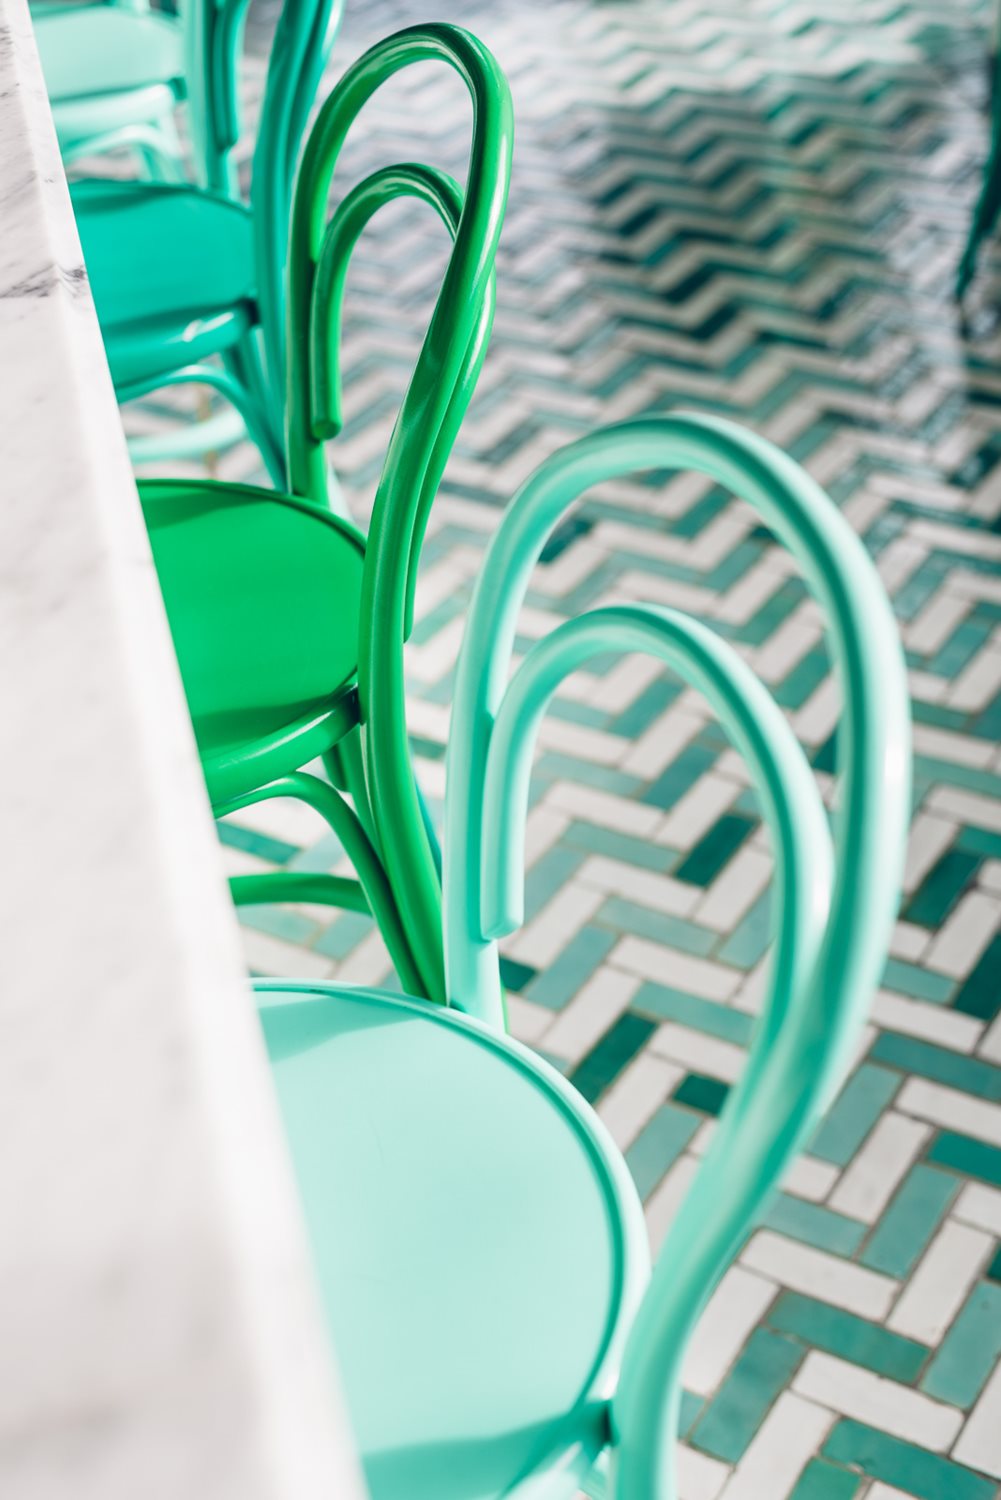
(967, 1155)
(854, 1113)
(691, 1010)
(647, 708)
(552, 766)
(699, 1092)
(823, 1481)
(914, 1470)
(279, 921)
(548, 874)
(980, 841)
(987, 783)
(980, 995)
(659, 1143)
(994, 1269)
(849, 1337)
(952, 1068)
(567, 975)
(682, 774)
(748, 941)
(515, 976)
(714, 851)
(606, 1060)
(815, 1225)
(942, 887)
(319, 857)
(659, 927)
(970, 1349)
(691, 1408)
(613, 845)
(918, 983)
(907, 1225)
(764, 1368)
(344, 935)
(275, 851)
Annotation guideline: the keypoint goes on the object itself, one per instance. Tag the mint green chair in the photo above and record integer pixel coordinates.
(115, 74)
(188, 280)
(289, 626)
(480, 1246)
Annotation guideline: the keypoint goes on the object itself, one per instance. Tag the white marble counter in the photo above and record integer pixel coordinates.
(159, 1331)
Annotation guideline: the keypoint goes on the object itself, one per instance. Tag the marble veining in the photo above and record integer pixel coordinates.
(159, 1329)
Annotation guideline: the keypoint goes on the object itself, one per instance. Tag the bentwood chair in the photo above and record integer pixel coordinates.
(188, 281)
(289, 627)
(115, 74)
(480, 1246)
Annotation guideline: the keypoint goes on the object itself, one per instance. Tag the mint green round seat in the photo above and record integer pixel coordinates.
(480, 1246)
(263, 595)
(187, 287)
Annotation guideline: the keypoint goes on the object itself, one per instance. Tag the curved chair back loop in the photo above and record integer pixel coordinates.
(825, 970)
(432, 408)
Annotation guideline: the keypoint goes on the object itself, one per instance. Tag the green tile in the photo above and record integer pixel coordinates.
(279, 921)
(849, 1337)
(951, 1068)
(552, 766)
(691, 1408)
(748, 941)
(765, 1368)
(815, 1225)
(659, 927)
(702, 1093)
(822, 1481)
(344, 935)
(275, 851)
(994, 1269)
(515, 976)
(549, 874)
(942, 887)
(712, 853)
(907, 1225)
(854, 1113)
(682, 774)
(920, 984)
(970, 1349)
(980, 841)
(606, 1060)
(565, 977)
(981, 993)
(691, 1010)
(658, 1144)
(914, 1470)
(647, 708)
(622, 846)
(967, 1155)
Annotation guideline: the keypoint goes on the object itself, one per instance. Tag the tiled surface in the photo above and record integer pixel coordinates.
(751, 207)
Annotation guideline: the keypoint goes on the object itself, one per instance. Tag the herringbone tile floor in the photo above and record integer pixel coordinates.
(752, 207)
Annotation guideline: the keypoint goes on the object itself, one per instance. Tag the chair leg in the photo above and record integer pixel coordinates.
(327, 801)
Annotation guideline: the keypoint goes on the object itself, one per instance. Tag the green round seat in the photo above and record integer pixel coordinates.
(186, 288)
(480, 1248)
(262, 593)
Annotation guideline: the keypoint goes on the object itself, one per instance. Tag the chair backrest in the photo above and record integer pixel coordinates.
(831, 942)
(430, 415)
(213, 40)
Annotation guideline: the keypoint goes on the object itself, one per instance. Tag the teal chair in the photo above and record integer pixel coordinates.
(115, 74)
(188, 280)
(289, 625)
(480, 1247)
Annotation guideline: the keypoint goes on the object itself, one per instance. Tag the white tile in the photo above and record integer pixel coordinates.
(658, 892)
(979, 1444)
(698, 1052)
(666, 966)
(809, 1177)
(870, 1180)
(897, 1409)
(280, 960)
(817, 1274)
(733, 1312)
(928, 841)
(543, 829)
(965, 935)
(548, 933)
(636, 1095)
(938, 1287)
(952, 1109)
(526, 1021)
(944, 744)
(665, 1200)
(990, 1047)
(989, 876)
(965, 807)
(606, 809)
(662, 742)
(735, 890)
(978, 682)
(366, 964)
(789, 1437)
(981, 1206)
(815, 721)
(908, 941)
(932, 626)
(589, 1014)
(696, 812)
(699, 1476)
(933, 1023)
(885, 1492)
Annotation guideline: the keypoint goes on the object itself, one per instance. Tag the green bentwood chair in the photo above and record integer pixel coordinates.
(480, 1246)
(188, 281)
(289, 626)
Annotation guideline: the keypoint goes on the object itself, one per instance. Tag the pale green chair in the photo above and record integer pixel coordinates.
(480, 1246)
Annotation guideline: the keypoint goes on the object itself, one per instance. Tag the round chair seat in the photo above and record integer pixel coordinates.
(183, 286)
(262, 593)
(480, 1247)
